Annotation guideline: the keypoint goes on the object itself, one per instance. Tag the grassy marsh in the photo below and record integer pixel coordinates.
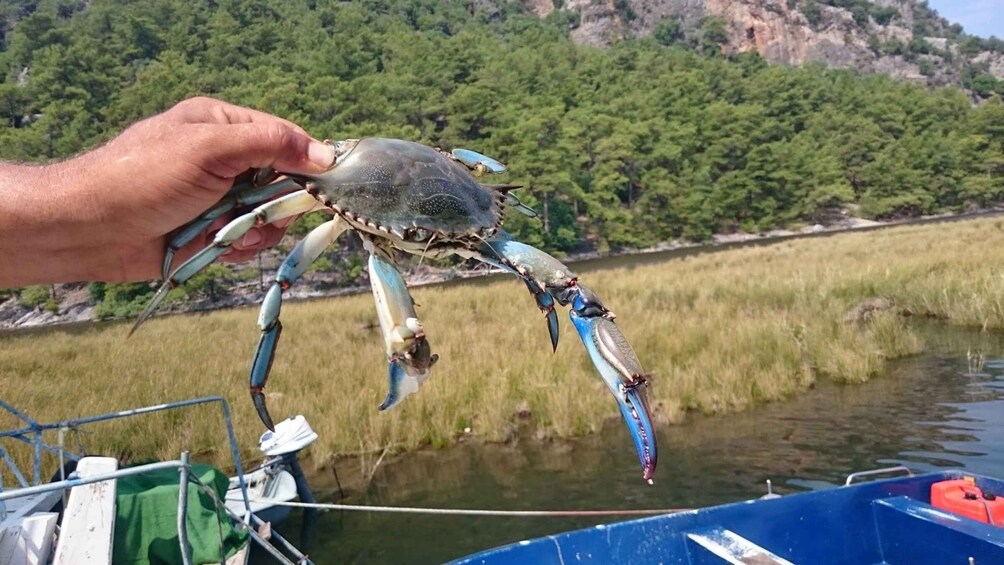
(720, 331)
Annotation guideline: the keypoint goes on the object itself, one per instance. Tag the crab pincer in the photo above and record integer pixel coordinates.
(409, 355)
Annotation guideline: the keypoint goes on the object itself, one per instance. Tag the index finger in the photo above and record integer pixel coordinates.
(204, 110)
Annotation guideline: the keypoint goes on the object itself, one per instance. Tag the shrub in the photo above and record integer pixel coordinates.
(34, 296)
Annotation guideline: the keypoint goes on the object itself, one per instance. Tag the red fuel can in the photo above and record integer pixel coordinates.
(962, 496)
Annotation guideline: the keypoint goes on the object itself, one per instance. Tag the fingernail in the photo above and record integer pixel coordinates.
(252, 238)
(321, 154)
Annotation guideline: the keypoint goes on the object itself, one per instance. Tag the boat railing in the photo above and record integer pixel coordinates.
(32, 433)
(897, 470)
(250, 521)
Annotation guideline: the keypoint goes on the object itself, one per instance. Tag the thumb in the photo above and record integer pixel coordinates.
(229, 149)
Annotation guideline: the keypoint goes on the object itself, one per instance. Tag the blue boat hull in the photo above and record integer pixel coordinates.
(888, 521)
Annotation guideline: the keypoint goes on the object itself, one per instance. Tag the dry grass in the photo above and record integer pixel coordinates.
(720, 331)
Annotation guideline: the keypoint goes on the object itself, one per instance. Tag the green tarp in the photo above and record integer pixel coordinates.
(146, 524)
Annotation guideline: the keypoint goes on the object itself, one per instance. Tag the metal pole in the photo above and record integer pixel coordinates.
(37, 472)
(35, 426)
(43, 446)
(5, 456)
(186, 549)
(136, 411)
(75, 482)
(250, 526)
(17, 413)
(235, 454)
(301, 557)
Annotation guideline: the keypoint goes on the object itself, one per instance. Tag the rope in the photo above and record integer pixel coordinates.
(470, 512)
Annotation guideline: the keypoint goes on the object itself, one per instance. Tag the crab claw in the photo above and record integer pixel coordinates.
(409, 354)
(620, 370)
(633, 404)
(406, 373)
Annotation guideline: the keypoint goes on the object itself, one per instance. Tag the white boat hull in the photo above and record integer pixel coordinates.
(265, 489)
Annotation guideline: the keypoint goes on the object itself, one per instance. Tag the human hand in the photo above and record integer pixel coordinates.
(106, 215)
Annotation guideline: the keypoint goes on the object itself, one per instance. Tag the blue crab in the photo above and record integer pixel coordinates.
(402, 195)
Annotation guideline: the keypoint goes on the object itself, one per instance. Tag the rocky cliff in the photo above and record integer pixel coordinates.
(901, 38)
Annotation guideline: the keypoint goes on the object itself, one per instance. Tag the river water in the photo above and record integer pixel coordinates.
(943, 409)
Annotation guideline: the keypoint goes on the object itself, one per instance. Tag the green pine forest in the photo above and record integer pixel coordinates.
(643, 142)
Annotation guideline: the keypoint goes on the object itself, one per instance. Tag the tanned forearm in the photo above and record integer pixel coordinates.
(42, 239)
(106, 215)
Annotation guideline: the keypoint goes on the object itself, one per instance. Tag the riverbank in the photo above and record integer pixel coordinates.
(720, 332)
(75, 305)
(924, 414)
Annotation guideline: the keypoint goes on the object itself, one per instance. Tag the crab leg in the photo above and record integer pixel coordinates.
(245, 194)
(551, 281)
(408, 353)
(305, 252)
(543, 275)
(478, 164)
(285, 207)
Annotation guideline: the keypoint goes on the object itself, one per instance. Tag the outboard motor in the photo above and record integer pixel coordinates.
(281, 447)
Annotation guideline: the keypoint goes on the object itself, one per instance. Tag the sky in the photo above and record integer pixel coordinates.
(978, 17)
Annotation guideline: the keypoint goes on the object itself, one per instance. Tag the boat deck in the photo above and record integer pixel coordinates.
(881, 522)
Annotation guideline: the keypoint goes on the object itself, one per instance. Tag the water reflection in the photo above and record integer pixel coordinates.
(931, 412)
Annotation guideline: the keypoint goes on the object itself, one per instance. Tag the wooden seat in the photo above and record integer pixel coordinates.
(718, 545)
(88, 526)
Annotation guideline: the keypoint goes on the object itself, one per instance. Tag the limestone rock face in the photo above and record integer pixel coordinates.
(777, 33)
(781, 32)
(599, 22)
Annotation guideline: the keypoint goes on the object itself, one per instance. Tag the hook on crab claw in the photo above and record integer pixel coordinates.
(546, 304)
(258, 398)
(633, 403)
(404, 377)
(399, 385)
